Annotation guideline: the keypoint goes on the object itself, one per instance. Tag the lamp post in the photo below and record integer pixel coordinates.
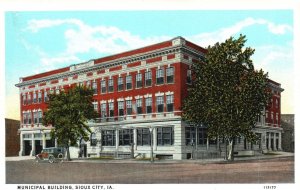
(151, 144)
(192, 144)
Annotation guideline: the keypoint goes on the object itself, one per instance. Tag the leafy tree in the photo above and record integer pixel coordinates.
(227, 93)
(68, 112)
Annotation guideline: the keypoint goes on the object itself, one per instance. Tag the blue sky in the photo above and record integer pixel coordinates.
(41, 41)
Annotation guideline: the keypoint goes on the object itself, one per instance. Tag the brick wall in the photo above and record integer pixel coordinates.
(12, 138)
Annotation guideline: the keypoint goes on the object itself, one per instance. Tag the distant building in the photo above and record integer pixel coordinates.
(138, 95)
(288, 134)
(12, 137)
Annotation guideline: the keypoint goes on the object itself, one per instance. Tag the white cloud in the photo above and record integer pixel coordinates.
(35, 25)
(222, 34)
(45, 61)
(101, 39)
(266, 56)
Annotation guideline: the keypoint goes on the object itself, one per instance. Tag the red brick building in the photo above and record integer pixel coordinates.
(138, 95)
(12, 137)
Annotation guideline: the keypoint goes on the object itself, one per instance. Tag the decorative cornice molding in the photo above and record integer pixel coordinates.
(105, 65)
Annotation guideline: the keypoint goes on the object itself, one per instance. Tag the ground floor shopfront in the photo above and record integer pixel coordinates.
(164, 138)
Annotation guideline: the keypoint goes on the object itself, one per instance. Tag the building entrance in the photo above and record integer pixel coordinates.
(38, 147)
(27, 146)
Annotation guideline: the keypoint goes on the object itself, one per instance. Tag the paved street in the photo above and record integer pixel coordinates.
(275, 170)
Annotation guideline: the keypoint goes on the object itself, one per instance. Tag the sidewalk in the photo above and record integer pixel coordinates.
(199, 161)
(19, 158)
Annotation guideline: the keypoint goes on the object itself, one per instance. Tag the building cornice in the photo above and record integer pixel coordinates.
(109, 64)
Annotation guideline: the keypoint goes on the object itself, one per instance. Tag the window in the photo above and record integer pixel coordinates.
(148, 78)
(111, 109)
(93, 139)
(128, 82)
(35, 117)
(190, 135)
(57, 91)
(143, 137)
(34, 98)
(276, 103)
(108, 138)
(128, 107)
(88, 84)
(95, 104)
(165, 136)
(120, 83)
(189, 76)
(103, 110)
(29, 98)
(25, 118)
(149, 105)
(125, 137)
(159, 76)
(29, 117)
(170, 75)
(139, 108)
(24, 99)
(95, 88)
(40, 116)
(121, 108)
(138, 80)
(39, 97)
(160, 104)
(272, 116)
(170, 103)
(202, 136)
(46, 96)
(110, 85)
(103, 86)
(259, 118)
(272, 103)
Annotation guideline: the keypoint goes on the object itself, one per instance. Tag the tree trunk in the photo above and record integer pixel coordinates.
(68, 153)
(226, 150)
(231, 150)
(229, 156)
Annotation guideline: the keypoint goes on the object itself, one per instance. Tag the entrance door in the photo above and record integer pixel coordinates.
(28, 148)
(38, 146)
(272, 144)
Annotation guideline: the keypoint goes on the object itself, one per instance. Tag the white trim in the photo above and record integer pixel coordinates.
(169, 93)
(103, 101)
(159, 94)
(120, 99)
(147, 95)
(138, 97)
(128, 98)
(110, 100)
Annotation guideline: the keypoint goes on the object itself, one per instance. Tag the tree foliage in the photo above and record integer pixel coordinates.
(227, 93)
(68, 112)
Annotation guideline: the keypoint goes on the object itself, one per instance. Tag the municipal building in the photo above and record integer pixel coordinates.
(138, 95)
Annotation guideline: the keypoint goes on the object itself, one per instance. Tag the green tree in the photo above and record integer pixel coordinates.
(227, 93)
(68, 112)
